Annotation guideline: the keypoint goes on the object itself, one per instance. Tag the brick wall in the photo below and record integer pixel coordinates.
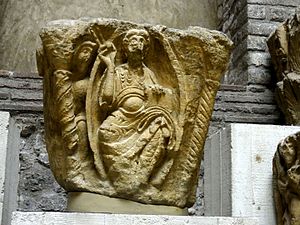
(22, 93)
(248, 23)
(263, 18)
(233, 22)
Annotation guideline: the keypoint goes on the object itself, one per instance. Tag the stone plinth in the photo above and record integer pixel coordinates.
(238, 171)
(49, 218)
(9, 166)
(4, 121)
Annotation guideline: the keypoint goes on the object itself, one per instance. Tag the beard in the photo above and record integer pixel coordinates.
(135, 55)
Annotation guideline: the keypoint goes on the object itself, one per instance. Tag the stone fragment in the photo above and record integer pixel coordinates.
(286, 175)
(127, 106)
(284, 48)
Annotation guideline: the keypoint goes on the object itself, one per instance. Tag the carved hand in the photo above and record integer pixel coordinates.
(157, 89)
(107, 53)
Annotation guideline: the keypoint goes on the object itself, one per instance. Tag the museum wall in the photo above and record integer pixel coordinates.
(21, 21)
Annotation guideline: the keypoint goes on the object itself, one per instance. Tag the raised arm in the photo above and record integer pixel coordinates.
(106, 53)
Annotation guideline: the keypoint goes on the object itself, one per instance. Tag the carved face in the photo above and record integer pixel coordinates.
(288, 154)
(136, 42)
(83, 57)
(85, 54)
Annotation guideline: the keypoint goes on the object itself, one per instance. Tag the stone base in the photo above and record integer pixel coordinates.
(89, 202)
(58, 218)
(9, 166)
(4, 122)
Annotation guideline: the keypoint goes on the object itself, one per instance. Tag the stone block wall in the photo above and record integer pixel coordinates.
(20, 92)
(21, 95)
(233, 22)
(249, 23)
(38, 218)
(263, 18)
(37, 189)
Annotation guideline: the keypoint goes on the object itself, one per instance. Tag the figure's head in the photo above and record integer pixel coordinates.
(136, 41)
(83, 56)
(287, 152)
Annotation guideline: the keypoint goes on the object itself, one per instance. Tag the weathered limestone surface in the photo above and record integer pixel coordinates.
(286, 172)
(238, 171)
(127, 106)
(284, 47)
(19, 27)
(49, 218)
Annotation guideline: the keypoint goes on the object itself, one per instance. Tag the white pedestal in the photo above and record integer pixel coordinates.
(4, 122)
(58, 218)
(9, 166)
(238, 171)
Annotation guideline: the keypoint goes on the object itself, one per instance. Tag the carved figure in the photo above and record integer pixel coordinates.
(284, 47)
(127, 106)
(286, 170)
(136, 139)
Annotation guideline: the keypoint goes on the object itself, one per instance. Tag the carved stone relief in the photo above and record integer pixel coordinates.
(284, 46)
(286, 173)
(127, 106)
